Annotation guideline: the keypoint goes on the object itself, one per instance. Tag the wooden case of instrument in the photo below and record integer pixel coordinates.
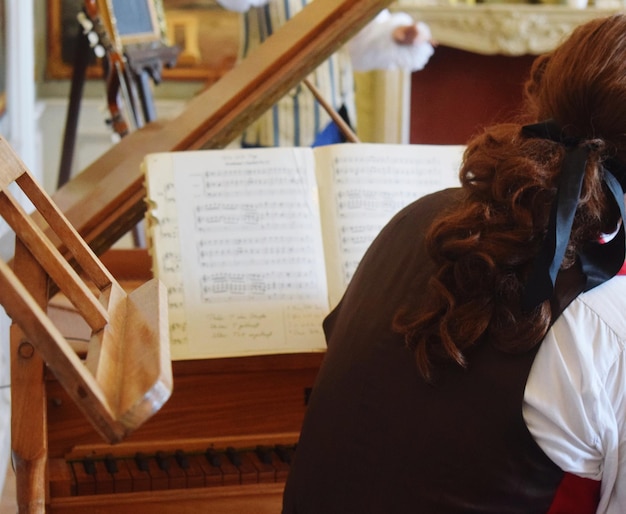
(230, 406)
(222, 443)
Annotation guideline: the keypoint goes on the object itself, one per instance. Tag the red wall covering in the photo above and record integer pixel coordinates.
(459, 92)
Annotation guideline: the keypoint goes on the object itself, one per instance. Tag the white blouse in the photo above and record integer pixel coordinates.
(575, 399)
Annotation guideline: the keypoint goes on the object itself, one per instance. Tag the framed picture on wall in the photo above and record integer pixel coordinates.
(206, 34)
(62, 34)
(133, 21)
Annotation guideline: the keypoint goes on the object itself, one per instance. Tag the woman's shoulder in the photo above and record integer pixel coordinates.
(607, 302)
(429, 206)
(574, 399)
(413, 220)
(590, 335)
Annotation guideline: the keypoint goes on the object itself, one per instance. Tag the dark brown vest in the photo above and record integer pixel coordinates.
(378, 439)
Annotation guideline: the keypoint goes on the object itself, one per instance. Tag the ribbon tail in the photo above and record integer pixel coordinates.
(540, 284)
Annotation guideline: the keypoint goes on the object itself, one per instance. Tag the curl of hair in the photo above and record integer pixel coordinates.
(484, 247)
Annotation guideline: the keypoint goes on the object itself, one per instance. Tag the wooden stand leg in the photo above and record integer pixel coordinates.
(81, 61)
(28, 401)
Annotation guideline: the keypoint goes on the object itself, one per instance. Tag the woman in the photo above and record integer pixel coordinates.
(391, 40)
(477, 361)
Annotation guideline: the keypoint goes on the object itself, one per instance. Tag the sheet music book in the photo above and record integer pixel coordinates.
(256, 246)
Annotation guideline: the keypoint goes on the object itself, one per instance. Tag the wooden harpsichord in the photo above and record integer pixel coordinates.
(223, 441)
(226, 436)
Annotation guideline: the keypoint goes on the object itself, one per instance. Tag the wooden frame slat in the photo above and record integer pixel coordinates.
(127, 375)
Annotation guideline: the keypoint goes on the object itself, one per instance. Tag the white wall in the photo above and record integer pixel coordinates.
(93, 137)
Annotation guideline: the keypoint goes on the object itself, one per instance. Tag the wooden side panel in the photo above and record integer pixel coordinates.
(248, 499)
(210, 400)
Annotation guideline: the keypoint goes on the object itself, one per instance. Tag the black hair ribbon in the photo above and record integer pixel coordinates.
(599, 261)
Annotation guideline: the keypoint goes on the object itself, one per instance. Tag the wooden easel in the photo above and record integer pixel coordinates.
(125, 376)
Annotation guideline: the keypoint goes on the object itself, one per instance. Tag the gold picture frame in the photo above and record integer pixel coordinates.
(207, 35)
(132, 22)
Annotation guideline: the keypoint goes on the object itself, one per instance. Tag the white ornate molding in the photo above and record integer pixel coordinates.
(508, 29)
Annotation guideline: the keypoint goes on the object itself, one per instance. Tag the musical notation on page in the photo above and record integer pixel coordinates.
(257, 245)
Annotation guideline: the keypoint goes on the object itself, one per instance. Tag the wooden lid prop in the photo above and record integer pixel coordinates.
(126, 376)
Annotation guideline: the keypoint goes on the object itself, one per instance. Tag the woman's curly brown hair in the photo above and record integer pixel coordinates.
(484, 247)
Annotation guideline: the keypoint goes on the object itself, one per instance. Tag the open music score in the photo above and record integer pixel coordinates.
(256, 246)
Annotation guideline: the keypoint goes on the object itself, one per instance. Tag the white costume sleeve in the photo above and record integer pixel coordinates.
(575, 399)
(240, 5)
(374, 47)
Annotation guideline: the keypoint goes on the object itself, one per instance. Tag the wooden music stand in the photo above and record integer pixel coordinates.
(126, 375)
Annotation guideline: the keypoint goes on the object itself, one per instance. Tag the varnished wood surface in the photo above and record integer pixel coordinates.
(211, 400)
(28, 401)
(244, 499)
(127, 373)
(216, 403)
